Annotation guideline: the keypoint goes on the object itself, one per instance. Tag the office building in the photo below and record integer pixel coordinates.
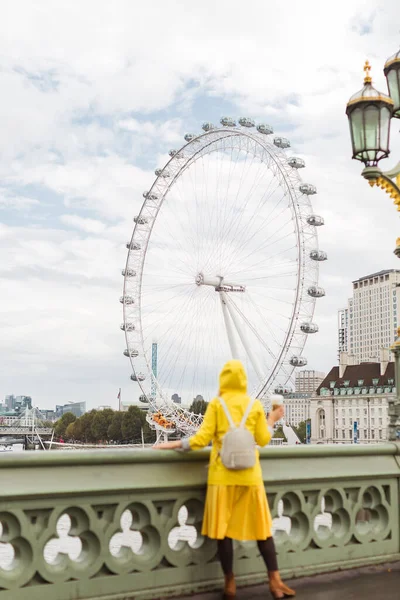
(76, 408)
(307, 381)
(373, 316)
(297, 408)
(343, 329)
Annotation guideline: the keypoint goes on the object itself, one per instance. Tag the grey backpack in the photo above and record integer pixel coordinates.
(238, 450)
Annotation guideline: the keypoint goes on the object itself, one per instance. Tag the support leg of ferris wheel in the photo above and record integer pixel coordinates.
(228, 325)
(240, 330)
(161, 436)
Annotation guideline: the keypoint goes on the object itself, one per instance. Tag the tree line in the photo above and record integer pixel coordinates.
(105, 426)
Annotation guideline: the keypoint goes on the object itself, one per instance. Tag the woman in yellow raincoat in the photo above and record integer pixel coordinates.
(236, 505)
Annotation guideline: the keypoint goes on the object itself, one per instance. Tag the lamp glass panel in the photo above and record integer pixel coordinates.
(385, 129)
(356, 121)
(393, 79)
(371, 127)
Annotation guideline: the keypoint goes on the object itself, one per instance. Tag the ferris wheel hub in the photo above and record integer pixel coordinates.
(218, 282)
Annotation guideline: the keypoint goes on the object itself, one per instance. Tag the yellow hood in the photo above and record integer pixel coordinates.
(233, 378)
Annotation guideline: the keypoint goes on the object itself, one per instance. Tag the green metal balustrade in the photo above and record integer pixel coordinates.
(339, 506)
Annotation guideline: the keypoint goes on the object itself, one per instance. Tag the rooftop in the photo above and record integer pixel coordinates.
(378, 274)
(355, 373)
(373, 583)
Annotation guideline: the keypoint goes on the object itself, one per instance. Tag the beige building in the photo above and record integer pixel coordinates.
(373, 315)
(353, 393)
(307, 381)
(297, 408)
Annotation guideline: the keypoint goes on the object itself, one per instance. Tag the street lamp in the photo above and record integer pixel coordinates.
(370, 113)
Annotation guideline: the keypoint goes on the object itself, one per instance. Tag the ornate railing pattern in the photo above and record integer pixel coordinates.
(110, 524)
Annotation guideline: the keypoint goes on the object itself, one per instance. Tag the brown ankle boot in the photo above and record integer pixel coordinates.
(277, 588)
(230, 587)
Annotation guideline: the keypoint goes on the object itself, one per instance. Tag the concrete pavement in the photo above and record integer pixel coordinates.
(375, 583)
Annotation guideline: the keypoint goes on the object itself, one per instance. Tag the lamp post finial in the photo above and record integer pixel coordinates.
(367, 69)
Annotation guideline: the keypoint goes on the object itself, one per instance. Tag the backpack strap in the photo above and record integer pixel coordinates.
(228, 414)
(226, 411)
(246, 414)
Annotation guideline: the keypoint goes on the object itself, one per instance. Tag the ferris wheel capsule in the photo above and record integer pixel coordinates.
(176, 154)
(318, 255)
(309, 327)
(128, 273)
(190, 136)
(307, 189)
(296, 163)
(127, 300)
(316, 292)
(162, 173)
(150, 195)
(246, 122)
(228, 122)
(298, 361)
(207, 126)
(132, 353)
(138, 377)
(315, 220)
(264, 129)
(143, 398)
(127, 326)
(133, 245)
(140, 220)
(281, 142)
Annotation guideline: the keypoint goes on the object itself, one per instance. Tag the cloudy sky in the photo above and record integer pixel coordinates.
(94, 94)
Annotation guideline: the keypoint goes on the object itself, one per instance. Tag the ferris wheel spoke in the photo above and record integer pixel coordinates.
(238, 221)
(264, 245)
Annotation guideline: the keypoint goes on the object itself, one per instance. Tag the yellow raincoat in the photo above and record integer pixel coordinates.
(236, 504)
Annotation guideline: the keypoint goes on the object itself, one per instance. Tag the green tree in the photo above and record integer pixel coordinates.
(70, 431)
(100, 424)
(48, 424)
(78, 429)
(198, 406)
(114, 431)
(149, 435)
(279, 434)
(132, 422)
(85, 425)
(62, 424)
(301, 431)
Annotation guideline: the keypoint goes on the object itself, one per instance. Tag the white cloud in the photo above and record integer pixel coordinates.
(11, 202)
(87, 225)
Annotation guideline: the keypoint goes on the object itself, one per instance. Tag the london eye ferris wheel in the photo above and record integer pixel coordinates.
(222, 263)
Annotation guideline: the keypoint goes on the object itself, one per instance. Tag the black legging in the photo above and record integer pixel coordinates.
(266, 548)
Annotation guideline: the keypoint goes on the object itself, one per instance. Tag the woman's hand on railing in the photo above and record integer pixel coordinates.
(176, 445)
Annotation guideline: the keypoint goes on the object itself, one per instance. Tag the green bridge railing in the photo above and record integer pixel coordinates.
(99, 524)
